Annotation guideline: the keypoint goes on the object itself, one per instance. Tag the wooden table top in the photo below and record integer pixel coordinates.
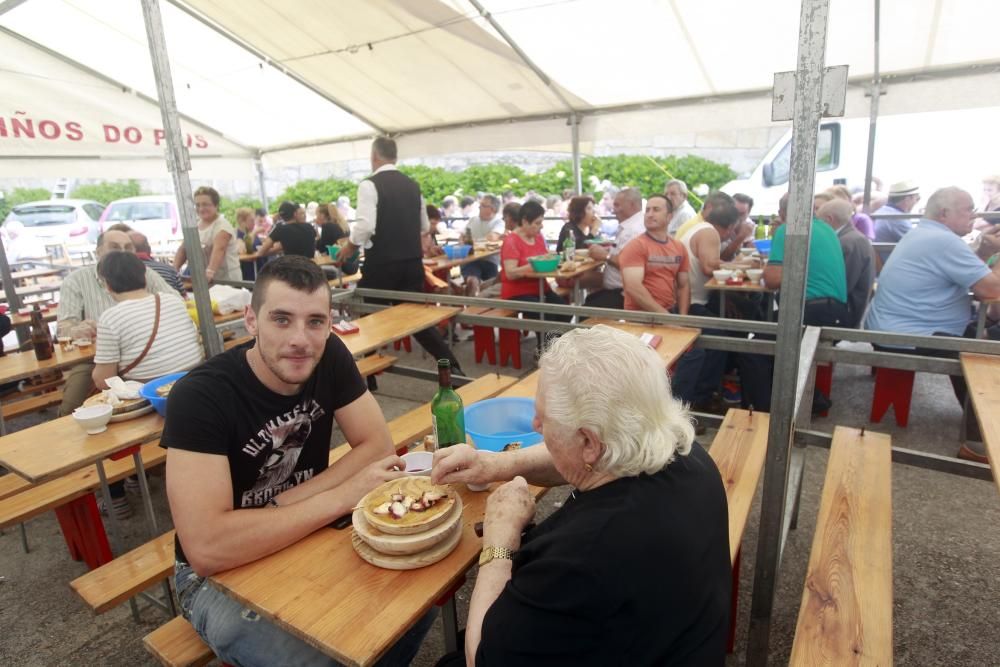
(344, 280)
(24, 320)
(394, 323)
(16, 366)
(581, 268)
(674, 341)
(442, 262)
(347, 608)
(60, 446)
(37, 273)
(982, 373)
(33, 290)
(746, 286)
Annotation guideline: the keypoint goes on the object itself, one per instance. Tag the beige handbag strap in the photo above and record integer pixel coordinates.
(149, 343)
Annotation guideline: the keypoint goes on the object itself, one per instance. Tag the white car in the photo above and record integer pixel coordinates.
(153, 215)
(70, 221)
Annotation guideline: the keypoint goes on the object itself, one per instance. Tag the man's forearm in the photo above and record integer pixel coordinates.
(339, 472)
(241, 536)
(646, 302)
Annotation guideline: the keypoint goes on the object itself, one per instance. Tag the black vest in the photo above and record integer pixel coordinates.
(397, 219)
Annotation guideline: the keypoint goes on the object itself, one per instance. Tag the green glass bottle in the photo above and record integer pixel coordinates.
(760, 233)
(447, 410)
(569, 249)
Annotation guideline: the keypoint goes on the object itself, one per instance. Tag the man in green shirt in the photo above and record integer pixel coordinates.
(826, 278)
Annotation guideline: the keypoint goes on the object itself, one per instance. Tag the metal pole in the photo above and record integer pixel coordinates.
(805, 121)
(574, 124)
(180, 164)
(873, 117)
(260, 182)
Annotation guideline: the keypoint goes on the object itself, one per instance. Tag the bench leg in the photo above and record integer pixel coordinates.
(734, 603)
(449, 619)
(70, 531)
(93, 540)
(894, 388)
(24, 537)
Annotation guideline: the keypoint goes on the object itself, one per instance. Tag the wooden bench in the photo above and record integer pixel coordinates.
(982, 373)
(127, 575)
(32, 404)
(739, 450)
(176, 644)
(846, 612)
(375, 363)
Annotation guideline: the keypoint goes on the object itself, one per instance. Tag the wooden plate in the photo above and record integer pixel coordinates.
(405, 545)
(411, 522)
(411, 562)
(127, 405)
(132, 414)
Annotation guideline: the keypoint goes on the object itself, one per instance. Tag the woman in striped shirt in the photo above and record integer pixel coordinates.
(125, 329)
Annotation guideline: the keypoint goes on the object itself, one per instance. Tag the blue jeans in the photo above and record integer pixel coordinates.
(699, 372)
(240, 636)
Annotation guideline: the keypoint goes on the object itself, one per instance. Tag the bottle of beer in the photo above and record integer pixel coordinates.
(760, 233)
(41, 341)
(569, 248)
(447, 411)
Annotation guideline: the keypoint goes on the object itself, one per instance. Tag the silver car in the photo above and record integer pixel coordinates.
(70, 221)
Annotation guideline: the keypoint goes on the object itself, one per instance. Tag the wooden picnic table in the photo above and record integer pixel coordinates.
(582, 267)
(394, 323)
(34, 274)
(746, 287)
(443, 263)
(347, 608)
(16, 366)
(982, 374)
(34, 290)
(674, 341)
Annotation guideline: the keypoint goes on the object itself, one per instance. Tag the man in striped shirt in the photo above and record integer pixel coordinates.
(82, 299)
(145, 253)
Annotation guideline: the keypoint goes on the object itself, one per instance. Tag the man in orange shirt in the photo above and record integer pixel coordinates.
(655, 266)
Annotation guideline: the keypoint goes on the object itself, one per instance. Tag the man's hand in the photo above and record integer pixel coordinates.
(84, 330)
(508, 510)
(989, 242)
(368, 478)
(462, 464)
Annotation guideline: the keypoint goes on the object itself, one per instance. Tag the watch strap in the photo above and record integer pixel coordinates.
(493, 553)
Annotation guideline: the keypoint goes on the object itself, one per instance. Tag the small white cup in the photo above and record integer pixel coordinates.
(418, 463)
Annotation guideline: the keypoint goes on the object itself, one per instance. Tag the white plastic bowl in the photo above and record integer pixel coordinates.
(722, 275)
(94, 419)
(755, 274)
(418, 463)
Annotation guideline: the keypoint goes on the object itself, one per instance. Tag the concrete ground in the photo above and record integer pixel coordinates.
(946, 536)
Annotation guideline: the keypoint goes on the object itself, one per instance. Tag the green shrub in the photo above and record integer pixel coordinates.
(21, 196)
(321, 192)
(227, 207)
(107, 191)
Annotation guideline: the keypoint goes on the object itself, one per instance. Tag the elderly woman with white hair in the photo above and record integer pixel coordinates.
(634, 567)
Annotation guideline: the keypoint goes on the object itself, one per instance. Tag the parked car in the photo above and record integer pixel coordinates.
(70, 221)
(153, 215)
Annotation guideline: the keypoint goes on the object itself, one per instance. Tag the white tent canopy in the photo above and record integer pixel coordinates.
(277, 79)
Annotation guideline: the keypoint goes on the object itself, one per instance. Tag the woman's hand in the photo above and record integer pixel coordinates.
(508, 511)
(462, 464)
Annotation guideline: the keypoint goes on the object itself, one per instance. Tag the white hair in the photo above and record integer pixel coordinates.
(945, 198)
(609, 382)
(681, 185)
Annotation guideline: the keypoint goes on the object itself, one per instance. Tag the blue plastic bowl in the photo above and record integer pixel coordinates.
(457, 251)
(496, 422)
(763, 246)
(148, 392)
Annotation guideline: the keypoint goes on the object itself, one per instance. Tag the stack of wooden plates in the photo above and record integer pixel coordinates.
(126, 409)
(417, 538)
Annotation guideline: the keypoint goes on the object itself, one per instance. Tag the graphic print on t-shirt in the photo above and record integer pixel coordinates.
(282, 439)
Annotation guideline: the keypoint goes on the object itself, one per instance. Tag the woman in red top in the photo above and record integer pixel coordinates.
(523, 242)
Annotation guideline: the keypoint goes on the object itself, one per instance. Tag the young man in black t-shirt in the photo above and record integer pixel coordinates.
(294, 237)
(248, 438)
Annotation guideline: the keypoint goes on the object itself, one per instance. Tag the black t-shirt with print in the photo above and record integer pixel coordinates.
(273, 442)
(296, 238)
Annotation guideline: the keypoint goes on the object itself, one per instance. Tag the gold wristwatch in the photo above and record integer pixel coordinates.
(492, 553)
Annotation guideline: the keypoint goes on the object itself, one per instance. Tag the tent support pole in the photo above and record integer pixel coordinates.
(574, 124)
(805, 122)
(873, 116)
(180, 164)
(259, 164)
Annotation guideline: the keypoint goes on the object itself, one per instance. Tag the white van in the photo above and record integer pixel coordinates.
(934, 149)
(153, 215)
